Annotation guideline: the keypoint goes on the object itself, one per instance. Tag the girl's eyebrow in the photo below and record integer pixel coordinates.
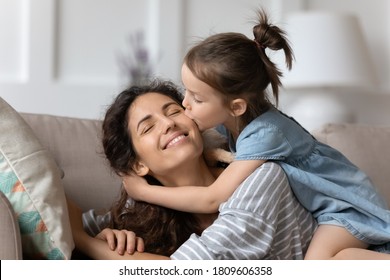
(164, 107)
(191, 91)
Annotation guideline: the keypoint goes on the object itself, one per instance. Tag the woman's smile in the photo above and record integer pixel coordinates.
(176, 139)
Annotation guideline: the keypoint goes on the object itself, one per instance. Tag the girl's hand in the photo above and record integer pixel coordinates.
(135, 186)
(121, 239)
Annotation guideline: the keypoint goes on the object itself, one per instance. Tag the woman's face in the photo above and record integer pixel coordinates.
(164, 138)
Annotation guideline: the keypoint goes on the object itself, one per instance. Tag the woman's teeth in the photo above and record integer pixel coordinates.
(175, 140)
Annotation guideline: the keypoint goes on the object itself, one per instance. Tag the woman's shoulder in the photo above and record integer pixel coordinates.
(266, 176)
(267, 183)
(271, 170)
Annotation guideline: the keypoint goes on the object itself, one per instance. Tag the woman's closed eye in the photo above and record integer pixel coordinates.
(174, 111)
(147, 128)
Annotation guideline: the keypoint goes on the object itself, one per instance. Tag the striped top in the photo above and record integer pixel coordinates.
(261, 220)
(95, 221)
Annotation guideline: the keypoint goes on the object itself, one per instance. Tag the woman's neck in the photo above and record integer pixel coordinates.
(195, 173)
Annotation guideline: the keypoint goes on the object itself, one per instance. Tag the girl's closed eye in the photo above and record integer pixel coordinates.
(196, 100)
(192, 96)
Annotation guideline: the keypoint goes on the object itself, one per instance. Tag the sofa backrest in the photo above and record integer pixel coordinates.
(76, 146)
(367, 146)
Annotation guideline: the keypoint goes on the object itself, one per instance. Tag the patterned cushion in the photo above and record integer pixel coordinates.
(31, 180)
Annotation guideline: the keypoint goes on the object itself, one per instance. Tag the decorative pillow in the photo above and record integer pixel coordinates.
(31, 180)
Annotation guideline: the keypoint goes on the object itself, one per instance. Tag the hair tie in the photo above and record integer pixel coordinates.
(260, 46)
(266, 30)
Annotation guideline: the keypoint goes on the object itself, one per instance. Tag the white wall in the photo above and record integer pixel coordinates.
(60, 56)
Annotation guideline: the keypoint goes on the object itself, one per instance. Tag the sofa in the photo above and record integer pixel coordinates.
(86, 178)
(77, 170)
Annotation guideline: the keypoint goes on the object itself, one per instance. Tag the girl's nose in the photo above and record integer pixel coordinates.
(185, 103)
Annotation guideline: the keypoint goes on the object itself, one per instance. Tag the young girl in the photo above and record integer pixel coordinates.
(226, 77)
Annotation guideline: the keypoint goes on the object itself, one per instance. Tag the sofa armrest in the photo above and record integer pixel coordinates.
(10, 240)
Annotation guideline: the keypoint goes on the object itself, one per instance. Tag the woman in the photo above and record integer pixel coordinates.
(147, 133)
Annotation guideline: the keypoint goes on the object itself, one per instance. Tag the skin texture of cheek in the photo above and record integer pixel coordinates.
(207, 120)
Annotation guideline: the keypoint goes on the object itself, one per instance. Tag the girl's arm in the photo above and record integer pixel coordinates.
(195, 199)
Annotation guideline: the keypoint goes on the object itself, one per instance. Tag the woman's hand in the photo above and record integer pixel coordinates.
(135, 186)
(121, 239)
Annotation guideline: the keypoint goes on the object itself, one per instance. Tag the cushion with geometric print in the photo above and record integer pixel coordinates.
(31, 180)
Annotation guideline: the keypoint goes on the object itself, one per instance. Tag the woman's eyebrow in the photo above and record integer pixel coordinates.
(143, 120)
(164, 107)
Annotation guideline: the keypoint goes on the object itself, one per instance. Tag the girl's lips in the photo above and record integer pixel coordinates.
(175, 139)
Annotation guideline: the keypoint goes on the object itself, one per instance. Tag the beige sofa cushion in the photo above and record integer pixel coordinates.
(366, 146)
(76, 146)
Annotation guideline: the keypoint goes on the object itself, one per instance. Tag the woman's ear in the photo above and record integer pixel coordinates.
(140, 168)
(238, 107)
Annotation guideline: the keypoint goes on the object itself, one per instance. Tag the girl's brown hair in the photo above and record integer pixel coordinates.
(239, 67)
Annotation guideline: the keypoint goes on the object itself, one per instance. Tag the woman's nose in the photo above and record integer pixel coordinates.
(167, 124)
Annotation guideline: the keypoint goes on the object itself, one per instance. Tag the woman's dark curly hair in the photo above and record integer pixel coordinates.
(162, 229)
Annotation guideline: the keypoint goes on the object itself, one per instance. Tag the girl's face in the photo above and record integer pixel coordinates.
(163, 136)
(203, 104)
